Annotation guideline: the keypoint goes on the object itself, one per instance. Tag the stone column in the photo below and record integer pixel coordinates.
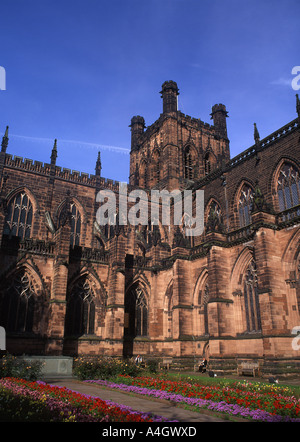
(271, 286)
(220, 304)
(182, 297)
(114, 321)
(58, 301)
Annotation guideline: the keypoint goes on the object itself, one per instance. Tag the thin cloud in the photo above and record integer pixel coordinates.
(75, 143)
(282, 82)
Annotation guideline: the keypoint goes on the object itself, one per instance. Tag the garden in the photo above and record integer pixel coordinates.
(24, 397)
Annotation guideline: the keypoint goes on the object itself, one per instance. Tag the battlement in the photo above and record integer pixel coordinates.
(62, 173)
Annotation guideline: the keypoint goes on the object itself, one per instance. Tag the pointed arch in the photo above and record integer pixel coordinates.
(186, 223)
(291, 266)
(21, 206)
(200, 301)
(78, 218)
(245, 289)
(243, 201)
(22, 296)
(29, 192)
(86, 304)
(136, 310)
(209, 159)
(290, 256)
(251, 299)
(88, 271)
(189, 161)
(168, 310)
(213, 215)
(286, 185)
(274, 175)
(241, 263)
(207, 163)
(80, 311)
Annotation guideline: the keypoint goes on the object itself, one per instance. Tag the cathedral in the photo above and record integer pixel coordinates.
(71, 286)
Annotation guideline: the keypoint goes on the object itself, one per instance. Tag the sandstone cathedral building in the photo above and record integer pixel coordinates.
(69, 286)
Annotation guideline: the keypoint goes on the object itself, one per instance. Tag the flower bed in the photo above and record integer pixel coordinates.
(266, 406)
(22, 400)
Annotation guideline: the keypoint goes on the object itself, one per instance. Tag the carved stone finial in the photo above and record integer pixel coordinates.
(256, 135)
(98, 165)
(54, 152)
(4, 143)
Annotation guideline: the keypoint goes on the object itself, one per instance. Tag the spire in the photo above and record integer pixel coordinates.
(54, 153)
(4, 143)
(98, 165)
(256, 135)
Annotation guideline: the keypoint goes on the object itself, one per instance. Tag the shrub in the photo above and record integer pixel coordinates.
(11, 366)
(152, 365)
(103, 368)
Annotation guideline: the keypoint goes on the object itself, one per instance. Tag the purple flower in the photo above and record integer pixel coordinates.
(222, 406)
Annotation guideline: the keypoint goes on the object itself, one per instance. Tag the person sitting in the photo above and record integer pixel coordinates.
(138, 360)
(202, 365)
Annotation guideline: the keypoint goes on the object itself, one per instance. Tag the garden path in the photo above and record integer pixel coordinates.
(158, 407)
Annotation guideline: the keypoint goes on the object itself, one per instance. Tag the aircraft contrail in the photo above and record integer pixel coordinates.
(81, 144)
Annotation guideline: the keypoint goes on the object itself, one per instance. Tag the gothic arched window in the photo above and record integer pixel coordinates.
(288, 188)
(245, 205)
(75, 226)
(80, 314)
(251, 300)
(17, 304)
(136, 311)
(18, 221)
(170, 312)
(207, 165)
(203, 300)
(71, 213)
(188, 164)
(214, 218)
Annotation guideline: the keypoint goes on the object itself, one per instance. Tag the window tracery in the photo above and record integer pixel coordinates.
(245, 205)
(80, 316)
(17, 304)
(251, 300)
(288, 187)
(18, 220)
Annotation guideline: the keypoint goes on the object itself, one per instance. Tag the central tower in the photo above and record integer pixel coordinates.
(177, 149)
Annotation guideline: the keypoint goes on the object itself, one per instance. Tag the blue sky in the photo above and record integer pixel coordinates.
(79, 70)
